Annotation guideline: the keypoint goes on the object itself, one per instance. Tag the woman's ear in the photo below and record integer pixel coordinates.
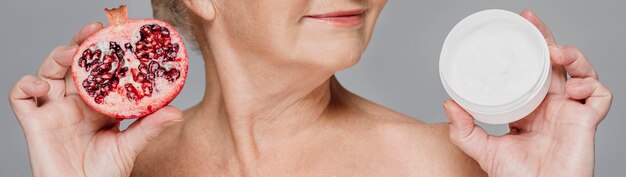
(205, 9)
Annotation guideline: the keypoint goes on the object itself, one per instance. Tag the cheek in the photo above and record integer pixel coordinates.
(261, 29)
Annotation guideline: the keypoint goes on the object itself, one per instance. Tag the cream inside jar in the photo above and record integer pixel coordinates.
(496, 65)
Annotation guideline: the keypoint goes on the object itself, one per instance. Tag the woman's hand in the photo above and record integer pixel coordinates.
(557, 139)
(65, 136)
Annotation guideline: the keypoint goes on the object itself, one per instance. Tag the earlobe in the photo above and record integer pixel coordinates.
(205, 9)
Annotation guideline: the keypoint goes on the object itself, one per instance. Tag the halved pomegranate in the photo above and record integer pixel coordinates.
(130, 68)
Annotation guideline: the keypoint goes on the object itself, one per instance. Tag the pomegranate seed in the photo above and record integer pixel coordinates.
(98, 99)
(175, 73)
(86, 83)
(87, 53)
(95, 71)
(140, 78)
(141, 45)
(172, 75)
(108, 59)
(171, 56)
(114, 83)
(131, 92)
(159, 72)
(122, 72)
(159, 51)
(128, 46)
(151, 76)
(107, 76)
(143, 68)
(106, 86)
(105, 67)
(153, 66)
(96, 54)
(147, 89)
(82, 62)
(156, 27)
(174, 47)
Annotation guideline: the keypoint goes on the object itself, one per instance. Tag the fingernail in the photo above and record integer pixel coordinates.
(447, 112)
(445, 109)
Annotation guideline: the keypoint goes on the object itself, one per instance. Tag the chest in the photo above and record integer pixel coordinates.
(288, 163)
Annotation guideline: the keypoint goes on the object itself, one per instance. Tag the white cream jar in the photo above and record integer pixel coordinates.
(496, 65)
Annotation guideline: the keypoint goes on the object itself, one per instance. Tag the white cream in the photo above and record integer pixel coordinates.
(494, 64)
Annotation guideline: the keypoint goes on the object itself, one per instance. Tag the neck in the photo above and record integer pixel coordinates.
(257, 104)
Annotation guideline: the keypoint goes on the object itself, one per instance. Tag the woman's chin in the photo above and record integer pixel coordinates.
(334, 63)
(338, 55)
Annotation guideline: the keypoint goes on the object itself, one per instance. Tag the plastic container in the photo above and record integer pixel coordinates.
(496, 65)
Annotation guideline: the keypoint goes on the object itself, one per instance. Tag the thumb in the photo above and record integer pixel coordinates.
(464, 133)
(142, 131)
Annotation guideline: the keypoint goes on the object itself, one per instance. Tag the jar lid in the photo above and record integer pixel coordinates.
(496, 65)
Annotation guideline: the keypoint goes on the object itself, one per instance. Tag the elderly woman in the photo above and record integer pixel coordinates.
(272, 107)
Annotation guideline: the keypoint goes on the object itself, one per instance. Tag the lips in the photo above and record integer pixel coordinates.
(348, 18)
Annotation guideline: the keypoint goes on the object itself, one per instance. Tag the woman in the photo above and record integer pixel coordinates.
(272, 107)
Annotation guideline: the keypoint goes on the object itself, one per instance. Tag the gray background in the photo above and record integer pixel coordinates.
(399, 70)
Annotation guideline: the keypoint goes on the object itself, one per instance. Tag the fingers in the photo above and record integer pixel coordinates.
(575, 62)
(55, 66)
(543, 28)
(596, 95)
(142, 131)
(85, 32)
(558, 80)
(23, 94)
(580, 88)
(464, 133)
(558, 72)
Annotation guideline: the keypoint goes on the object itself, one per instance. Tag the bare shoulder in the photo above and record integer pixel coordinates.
(151, 160)
(436, 145)
(423, 148)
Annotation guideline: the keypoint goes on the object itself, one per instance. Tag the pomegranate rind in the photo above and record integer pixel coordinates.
(116, 104)
(117, 15)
